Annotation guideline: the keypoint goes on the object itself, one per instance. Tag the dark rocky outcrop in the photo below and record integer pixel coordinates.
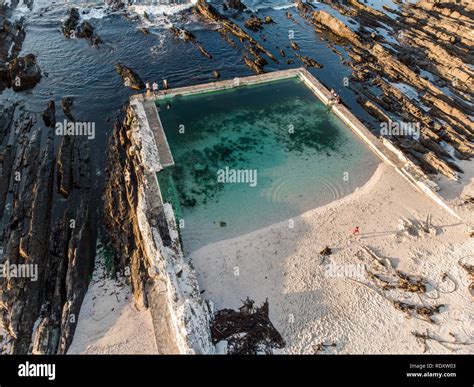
(254, 23)
(25, 236)
(57, 237)
(72, 29)
(86, 31)
(24, 73)
(234, 4)
(290, 16)
(12, 34)
(115, 5)
(228, 27)
(309, 62)
(188, 36)
(49, 115)
(295, 46)
(303, 6)
(129, 77)
(254, 65)
(71, 23)
(66, 105)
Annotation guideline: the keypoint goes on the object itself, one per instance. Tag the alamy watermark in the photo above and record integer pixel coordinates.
(70, 128)
(356, 271)
(22, 270)
(35, 370)
(239, 176)
(400, 128)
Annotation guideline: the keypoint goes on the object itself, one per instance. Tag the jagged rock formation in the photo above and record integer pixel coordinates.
(53, 240)
(309, 62)
(120, 201)
(208, 12)
(429, 41)
(115, 5)
(24, 73)
(26, 231)
(66, 105)
(129, 77)
(71, 23)
(188, 36)
(234, 4)
(86, 31)
(254, 65)
(11, 35)
(72, 29)
(39, 312)
(295, 46)
(19, 73)
(255, 23)
(49, 115)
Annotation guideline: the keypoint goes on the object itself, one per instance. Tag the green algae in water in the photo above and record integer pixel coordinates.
(303, 157)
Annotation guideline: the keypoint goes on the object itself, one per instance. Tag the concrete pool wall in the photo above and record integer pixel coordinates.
(185, 313)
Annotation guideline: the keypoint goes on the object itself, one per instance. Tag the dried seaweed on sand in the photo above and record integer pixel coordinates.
(248, 331)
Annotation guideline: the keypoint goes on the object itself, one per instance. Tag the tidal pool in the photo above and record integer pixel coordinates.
(255, 155)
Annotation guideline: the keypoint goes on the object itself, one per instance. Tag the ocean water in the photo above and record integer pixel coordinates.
(292, 152)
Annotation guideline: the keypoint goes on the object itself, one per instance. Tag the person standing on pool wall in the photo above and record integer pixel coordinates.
(155, 88)
(147, 86)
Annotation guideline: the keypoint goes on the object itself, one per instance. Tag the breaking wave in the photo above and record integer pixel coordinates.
(256, 5)
(158, 15)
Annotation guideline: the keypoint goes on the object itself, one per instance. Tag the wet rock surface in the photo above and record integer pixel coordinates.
(188, 36)
(24, 73)
(234, 4)
(253, 50)
(115, 5)
(19, 73)
(254, 23)
(130, 78)
(309, 62)
(73, 28)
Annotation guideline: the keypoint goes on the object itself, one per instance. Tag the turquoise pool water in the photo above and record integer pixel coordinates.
(252, 156)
